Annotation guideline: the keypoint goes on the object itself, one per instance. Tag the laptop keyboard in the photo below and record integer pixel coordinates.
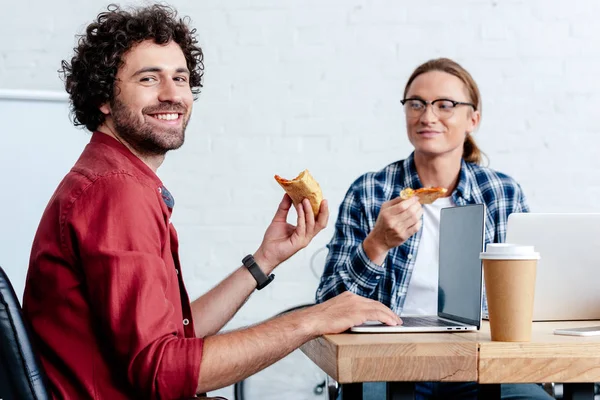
(426, 321)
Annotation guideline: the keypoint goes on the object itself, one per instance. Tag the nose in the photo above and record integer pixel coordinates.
(170, 92)
(428, 115)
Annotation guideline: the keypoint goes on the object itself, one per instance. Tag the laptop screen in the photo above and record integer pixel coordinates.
(460, 280)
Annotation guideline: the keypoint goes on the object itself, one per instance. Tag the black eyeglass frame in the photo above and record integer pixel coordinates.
(425, 102)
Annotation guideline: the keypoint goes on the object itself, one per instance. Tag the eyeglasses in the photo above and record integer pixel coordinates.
(443, 108)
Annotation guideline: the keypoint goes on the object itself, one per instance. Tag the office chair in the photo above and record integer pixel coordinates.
(21, 374)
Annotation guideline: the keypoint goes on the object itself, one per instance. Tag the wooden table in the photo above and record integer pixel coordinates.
(402, 359)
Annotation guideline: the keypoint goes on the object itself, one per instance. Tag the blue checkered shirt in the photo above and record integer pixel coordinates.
(348, 267)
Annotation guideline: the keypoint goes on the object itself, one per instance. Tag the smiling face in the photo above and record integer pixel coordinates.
(430, 134)
(153, 99)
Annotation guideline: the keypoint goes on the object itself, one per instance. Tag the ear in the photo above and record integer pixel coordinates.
(473, 123)
(105, 109)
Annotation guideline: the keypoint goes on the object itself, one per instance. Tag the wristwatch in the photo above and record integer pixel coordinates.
(262, 280)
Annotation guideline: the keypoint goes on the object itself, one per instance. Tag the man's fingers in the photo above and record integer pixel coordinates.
(394, 220)
(385, 318)
(397, 200)
(359, 308)
(283, 209)
(413, 216)
(409, 216)
(323, 216)
(384, 311)
(301, 222)
(402, 212)
(375, 310)
(411, 230)
(309, 217)
(406, 205)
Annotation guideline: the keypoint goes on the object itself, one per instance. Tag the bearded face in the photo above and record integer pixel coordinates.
(152, 101)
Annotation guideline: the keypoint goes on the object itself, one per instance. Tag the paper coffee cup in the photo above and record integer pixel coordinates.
(509, 275)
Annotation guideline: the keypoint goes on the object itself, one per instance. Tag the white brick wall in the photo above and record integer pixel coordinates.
(294, 84)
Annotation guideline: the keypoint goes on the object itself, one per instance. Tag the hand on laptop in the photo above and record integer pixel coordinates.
(345, 311)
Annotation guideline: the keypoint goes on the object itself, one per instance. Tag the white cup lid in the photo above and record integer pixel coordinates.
(509, 251)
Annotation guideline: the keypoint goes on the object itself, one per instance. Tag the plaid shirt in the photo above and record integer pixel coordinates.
(348, 267)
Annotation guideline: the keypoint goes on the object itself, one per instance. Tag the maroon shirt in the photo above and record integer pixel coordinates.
(104, 292)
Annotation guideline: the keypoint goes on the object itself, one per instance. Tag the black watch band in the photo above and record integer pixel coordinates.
(262, 280)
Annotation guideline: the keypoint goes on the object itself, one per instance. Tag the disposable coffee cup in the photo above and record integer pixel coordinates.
(509, 274)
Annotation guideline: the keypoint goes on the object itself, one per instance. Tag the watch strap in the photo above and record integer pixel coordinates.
(262, 280)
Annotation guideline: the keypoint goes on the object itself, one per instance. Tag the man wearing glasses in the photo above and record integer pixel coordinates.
(386, 248)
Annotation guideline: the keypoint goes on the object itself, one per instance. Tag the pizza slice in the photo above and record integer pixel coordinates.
(304, 186)
(426, 195)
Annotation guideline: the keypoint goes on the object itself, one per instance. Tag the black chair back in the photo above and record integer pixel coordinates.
(21, 373)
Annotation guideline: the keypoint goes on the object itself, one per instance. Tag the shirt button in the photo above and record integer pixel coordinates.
(159, 190)
(409, 256)
(186, 322)
(378, 277)
(177, 271)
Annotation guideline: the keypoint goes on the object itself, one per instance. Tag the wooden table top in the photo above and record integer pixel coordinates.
(547, 358)
(459, 357)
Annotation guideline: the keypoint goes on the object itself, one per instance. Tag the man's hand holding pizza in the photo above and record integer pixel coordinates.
(398, 220)
(281, 239)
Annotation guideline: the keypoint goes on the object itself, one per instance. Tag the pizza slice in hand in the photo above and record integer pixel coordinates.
(304, 186)
(426, 195)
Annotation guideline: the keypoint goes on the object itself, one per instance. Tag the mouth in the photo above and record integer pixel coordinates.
(428, 133)
(169, 118)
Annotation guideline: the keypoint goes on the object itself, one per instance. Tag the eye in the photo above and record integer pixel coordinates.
(180, 79)
(148, 79)
(444, 105)
(414, 105)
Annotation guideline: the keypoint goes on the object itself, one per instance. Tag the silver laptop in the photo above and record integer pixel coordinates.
(460, 279)
(567, 285)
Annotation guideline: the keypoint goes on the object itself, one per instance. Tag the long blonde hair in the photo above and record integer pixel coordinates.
(471, 152)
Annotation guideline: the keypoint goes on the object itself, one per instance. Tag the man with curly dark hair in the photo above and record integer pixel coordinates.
(104, 293)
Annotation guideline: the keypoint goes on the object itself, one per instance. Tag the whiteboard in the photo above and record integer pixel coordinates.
(39, 146)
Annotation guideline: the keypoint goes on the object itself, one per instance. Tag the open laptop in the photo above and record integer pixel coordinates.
(460, 279)
(567, 285)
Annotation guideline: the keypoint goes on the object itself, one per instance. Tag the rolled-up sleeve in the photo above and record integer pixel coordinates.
(120, 231)
(347, 266)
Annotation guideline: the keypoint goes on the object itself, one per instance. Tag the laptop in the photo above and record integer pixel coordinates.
(567, 285)
(460, 277)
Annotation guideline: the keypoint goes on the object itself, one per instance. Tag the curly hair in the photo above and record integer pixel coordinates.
(90, 76)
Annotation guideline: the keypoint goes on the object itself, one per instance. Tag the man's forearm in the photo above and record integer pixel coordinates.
(231, 357)
(216, 307)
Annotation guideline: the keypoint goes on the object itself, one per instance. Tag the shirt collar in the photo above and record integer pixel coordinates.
(103, 138)
(466, 179)
(411, 177)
